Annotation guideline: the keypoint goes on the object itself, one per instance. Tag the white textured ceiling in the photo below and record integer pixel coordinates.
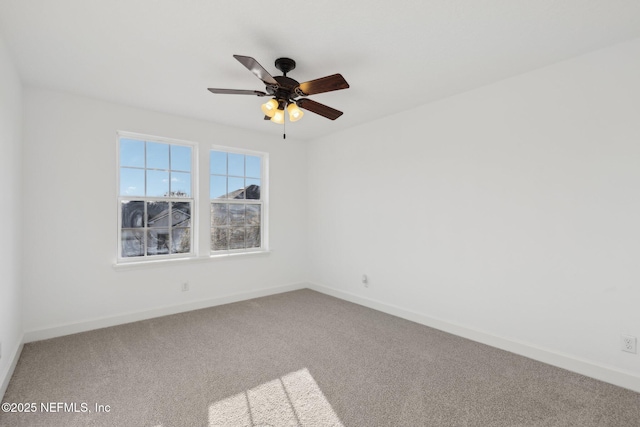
(163, 54)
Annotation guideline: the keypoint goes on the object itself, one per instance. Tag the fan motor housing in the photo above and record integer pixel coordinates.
(286, 89)
(286, 82)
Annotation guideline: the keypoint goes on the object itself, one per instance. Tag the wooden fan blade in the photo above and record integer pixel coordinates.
(324, 84)
(257, 69)
(316, 107)
(237, 92)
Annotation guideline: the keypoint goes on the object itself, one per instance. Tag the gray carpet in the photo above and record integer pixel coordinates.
(298, 358)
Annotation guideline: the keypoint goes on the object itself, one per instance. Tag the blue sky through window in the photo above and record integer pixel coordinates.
(154, 169)
(131, 153)
(231, 171)
(180, 158)
(157, 156)
(131, 182)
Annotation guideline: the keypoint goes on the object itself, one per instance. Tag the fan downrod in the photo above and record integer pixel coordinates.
(285, 65)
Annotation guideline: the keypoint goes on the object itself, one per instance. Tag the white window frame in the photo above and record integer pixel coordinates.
(193, 253)
(263, 201)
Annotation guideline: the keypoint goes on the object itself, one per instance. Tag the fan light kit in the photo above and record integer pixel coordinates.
(287, 94)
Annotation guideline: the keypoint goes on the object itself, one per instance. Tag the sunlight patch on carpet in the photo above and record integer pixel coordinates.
(291, 400)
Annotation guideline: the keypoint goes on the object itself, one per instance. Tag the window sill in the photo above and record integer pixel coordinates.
(181, 261)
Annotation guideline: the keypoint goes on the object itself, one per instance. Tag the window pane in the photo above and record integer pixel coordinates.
(236, 238)
(220, 239)
(131, 153)
(236, 164)
(132, 243)
(181, 240)
(236, 215)
(132, 214)
(158, 241)
(180, 214)
(180, 184)
(131, 182)
(157, 214)
(236, 188)
(180, 158)
(253, 237)
(252, 189)
(157, 183)
(219, 214)
(253, 167)
(157, 155)
(253, 215)
(218, 187)
(218, 163)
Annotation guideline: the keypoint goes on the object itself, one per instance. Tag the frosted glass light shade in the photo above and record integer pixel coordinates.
(278, 117)
(269, 108)
(295, 113)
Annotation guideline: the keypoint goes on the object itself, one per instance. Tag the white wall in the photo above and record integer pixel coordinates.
(513, 210)
(10, 214)
(70, 219)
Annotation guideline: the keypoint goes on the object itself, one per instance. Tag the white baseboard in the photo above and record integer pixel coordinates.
(6, 376)
(588, 368)
(104, 322)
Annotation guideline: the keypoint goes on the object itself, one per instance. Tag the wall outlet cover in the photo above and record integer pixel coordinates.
(628, 343)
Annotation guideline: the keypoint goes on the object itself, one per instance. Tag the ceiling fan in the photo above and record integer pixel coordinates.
(286, 93)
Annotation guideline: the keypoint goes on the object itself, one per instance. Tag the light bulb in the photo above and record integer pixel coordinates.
(269, 108)
(295, 113)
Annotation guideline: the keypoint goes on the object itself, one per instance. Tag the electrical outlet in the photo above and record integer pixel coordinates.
(185, 286)
(628, 343)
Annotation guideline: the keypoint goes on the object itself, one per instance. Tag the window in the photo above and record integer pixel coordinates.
(160, 188)
(156, 200)
(237, 200)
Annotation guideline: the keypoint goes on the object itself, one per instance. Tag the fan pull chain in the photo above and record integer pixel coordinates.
(284, 127)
